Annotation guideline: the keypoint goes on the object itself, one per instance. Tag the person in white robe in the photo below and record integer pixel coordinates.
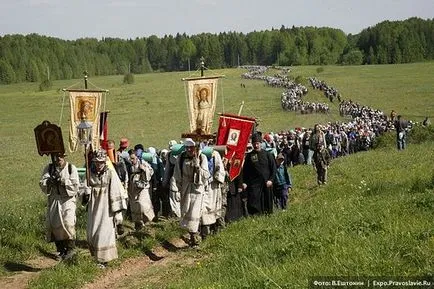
(213, 199)
(139, 192)
(106, 202)
(60, 182)
(169, 182)
(191, 175)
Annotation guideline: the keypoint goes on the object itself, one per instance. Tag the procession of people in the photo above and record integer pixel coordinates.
(190, 181)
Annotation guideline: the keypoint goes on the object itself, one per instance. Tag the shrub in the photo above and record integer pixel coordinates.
(129, 78)
(45, 85)
(299, 79)
(419, 134)
(320, 69)
(385, 140)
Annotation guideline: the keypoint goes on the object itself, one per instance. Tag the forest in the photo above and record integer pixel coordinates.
(37, 58)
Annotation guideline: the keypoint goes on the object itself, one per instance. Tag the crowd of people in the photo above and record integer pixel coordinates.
(189, 180)
(329, 91)
(292, 96)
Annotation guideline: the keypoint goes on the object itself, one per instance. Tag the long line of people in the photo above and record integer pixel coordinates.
(292, 96)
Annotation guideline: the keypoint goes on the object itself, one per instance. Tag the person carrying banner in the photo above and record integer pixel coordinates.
(258, 174)
(191, 175)
(60, 182)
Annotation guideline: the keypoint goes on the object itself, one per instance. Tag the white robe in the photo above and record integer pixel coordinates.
(191, 183)
(104, 212)
(60, 218)
(213, 200)
(139, 197)
(170, 182)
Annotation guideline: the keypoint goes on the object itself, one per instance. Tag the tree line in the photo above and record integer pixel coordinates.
(37, 58)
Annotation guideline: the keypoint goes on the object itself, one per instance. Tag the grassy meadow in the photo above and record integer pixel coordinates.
(374, 218)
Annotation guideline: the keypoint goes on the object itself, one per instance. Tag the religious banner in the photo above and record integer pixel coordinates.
(201, 103)
(85, 106)
(49, 139)
(234, 132)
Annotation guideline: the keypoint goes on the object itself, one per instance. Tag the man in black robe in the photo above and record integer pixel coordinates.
(258, 175)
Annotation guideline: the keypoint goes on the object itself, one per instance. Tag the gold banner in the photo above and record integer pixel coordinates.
(201, 103)
(85, 105)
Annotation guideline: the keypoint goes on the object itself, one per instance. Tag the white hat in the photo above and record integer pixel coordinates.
(188, 142)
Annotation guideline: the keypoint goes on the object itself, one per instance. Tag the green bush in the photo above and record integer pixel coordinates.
(299, 79)
(129, 78)
(385, 140)
(45, 85)
(320, 69)
(419, 134)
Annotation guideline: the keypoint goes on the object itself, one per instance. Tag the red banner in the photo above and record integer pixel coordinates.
(234, 132)
(103, 130)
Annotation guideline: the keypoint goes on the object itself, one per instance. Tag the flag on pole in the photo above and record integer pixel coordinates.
(234, 132)
(201, 103)
(85, 105)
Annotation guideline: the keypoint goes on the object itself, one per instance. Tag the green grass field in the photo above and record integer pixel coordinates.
(346, 228)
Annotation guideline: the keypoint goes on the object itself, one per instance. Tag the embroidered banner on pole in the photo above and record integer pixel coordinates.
(234, 132)
(201, 103)
(85, 105)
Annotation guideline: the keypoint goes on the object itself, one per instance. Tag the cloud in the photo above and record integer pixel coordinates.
(125, 4)
(206, 2)
(42, 3)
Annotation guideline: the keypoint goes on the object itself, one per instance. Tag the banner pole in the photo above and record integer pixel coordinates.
(241, 108)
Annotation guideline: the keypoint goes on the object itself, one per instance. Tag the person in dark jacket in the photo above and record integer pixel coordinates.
(258, 175)
(282, 183)
(401, 132)
(321, 161)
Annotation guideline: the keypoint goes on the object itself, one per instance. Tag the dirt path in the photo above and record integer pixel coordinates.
(25, 272)
(151, 266)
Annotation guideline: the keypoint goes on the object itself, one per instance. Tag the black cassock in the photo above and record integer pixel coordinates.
(235, 206)
(259, 167)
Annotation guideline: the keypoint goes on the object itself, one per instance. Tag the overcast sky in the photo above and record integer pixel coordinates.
(73, 19)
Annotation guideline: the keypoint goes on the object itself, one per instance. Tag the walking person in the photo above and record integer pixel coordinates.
(192, 176)
(169, 182)
(258, 175)
(60, 182)
(321, 161)
(282, 183)
(401, 132)
(105, 203)
(139, 192)
(317, 137)
(213, 213)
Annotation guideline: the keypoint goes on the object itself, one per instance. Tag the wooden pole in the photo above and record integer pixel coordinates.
(241, 108)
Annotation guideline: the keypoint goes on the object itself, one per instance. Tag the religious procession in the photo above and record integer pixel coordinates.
(204, 180)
